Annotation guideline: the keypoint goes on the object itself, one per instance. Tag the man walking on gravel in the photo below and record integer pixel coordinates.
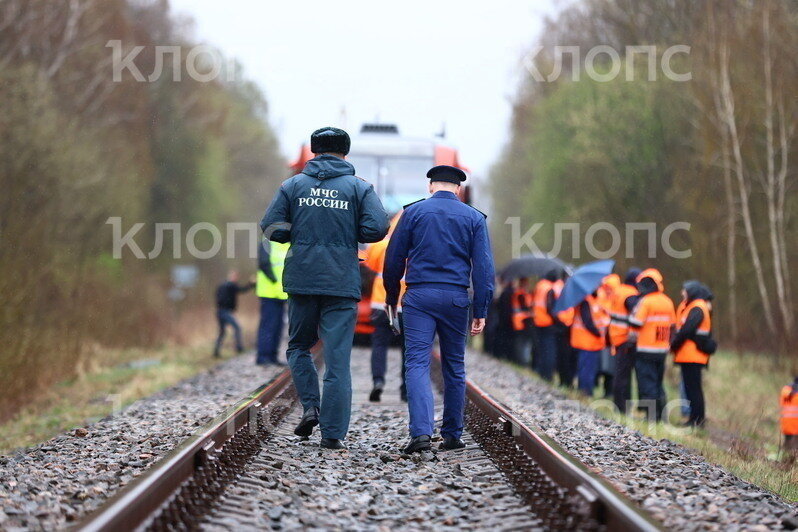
(443, 243)
(324, 212)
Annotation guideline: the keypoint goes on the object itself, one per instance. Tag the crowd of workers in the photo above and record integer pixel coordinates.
(627, 326)
(623, 327)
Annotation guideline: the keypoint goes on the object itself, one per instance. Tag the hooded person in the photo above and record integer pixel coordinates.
(651, 323)
(693, 344)
(324, 211)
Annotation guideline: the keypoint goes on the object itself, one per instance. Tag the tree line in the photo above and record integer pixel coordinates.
(717, 151)
(78, 147)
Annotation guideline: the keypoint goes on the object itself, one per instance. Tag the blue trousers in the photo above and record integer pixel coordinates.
(225, 317)
(428, 311)
(547, 352)
(650, 370)
(270, 329)
(332, 319)
(587, 370)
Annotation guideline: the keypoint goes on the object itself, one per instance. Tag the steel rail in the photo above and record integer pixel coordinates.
(143, 497)
(609, 507)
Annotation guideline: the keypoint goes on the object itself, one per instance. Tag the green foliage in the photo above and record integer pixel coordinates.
(77, 147)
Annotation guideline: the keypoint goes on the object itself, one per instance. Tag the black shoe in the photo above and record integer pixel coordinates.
(309, 420)
(418, 444)
(376, 392)
(331, 443)
(450, 444)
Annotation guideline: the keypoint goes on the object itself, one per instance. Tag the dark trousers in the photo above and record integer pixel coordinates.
(547, 352)
(523, 347)
(588, 368)
(428, 311)
(650, 369)
(566, 358)
(270, 329)
(225, 317)
(691, 376)
(503, 343)
(331, 319)
(622, 382)
(380, 342)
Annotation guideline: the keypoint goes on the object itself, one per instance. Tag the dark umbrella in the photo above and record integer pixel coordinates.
(585, 280)
(531, 265)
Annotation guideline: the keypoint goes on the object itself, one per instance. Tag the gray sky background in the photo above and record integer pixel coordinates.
(416, 63)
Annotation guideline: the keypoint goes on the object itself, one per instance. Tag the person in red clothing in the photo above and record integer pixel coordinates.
(789, 418)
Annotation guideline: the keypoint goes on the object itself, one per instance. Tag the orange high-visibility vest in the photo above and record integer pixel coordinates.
(581, 338)
(689, 351)
(789, 411)
(654, 315)
(541, 314)
(521, 308)
(619, 326)
(374, 259)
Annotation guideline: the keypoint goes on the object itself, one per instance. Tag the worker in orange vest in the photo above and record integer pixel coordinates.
(544, 295)
(652, 322)
(624, 298)
(383, 335)
(606, 372)
(789, 418)
(691, 344)
(588, 322)
(522, 322)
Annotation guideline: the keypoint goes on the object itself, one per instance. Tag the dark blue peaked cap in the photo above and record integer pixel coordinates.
(447, 173)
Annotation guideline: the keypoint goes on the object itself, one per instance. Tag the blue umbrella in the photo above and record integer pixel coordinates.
(584, 281)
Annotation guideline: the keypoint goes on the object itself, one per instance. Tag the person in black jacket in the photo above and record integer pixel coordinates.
(693, 344)
(324, 211)
(226, 303)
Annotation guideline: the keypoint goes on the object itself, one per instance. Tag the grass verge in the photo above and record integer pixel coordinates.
(742, 435)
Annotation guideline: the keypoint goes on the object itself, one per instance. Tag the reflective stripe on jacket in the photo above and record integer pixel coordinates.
(654, 316)
(689, 352)
(619, 315)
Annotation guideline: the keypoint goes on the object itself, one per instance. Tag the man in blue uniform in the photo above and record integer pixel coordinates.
(324, 212)
(443, 243)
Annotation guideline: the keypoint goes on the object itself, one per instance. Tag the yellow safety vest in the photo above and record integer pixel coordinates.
(274, 289)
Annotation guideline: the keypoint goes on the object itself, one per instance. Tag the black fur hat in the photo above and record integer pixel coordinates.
(330, 140)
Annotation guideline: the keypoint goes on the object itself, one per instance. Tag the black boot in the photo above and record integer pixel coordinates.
(418, 444)
(376, 392)
(449, 444)
(331, 443)
(309, 420)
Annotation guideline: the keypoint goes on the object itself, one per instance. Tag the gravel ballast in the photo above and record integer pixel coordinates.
(53, 484)
(676, 485)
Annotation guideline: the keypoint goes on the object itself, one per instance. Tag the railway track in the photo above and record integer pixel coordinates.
(246, 470)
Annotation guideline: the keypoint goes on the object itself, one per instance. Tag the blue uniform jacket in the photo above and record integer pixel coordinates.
(441, 240)
(324, 212)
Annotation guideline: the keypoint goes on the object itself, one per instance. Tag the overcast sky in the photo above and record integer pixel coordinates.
(418, 63)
